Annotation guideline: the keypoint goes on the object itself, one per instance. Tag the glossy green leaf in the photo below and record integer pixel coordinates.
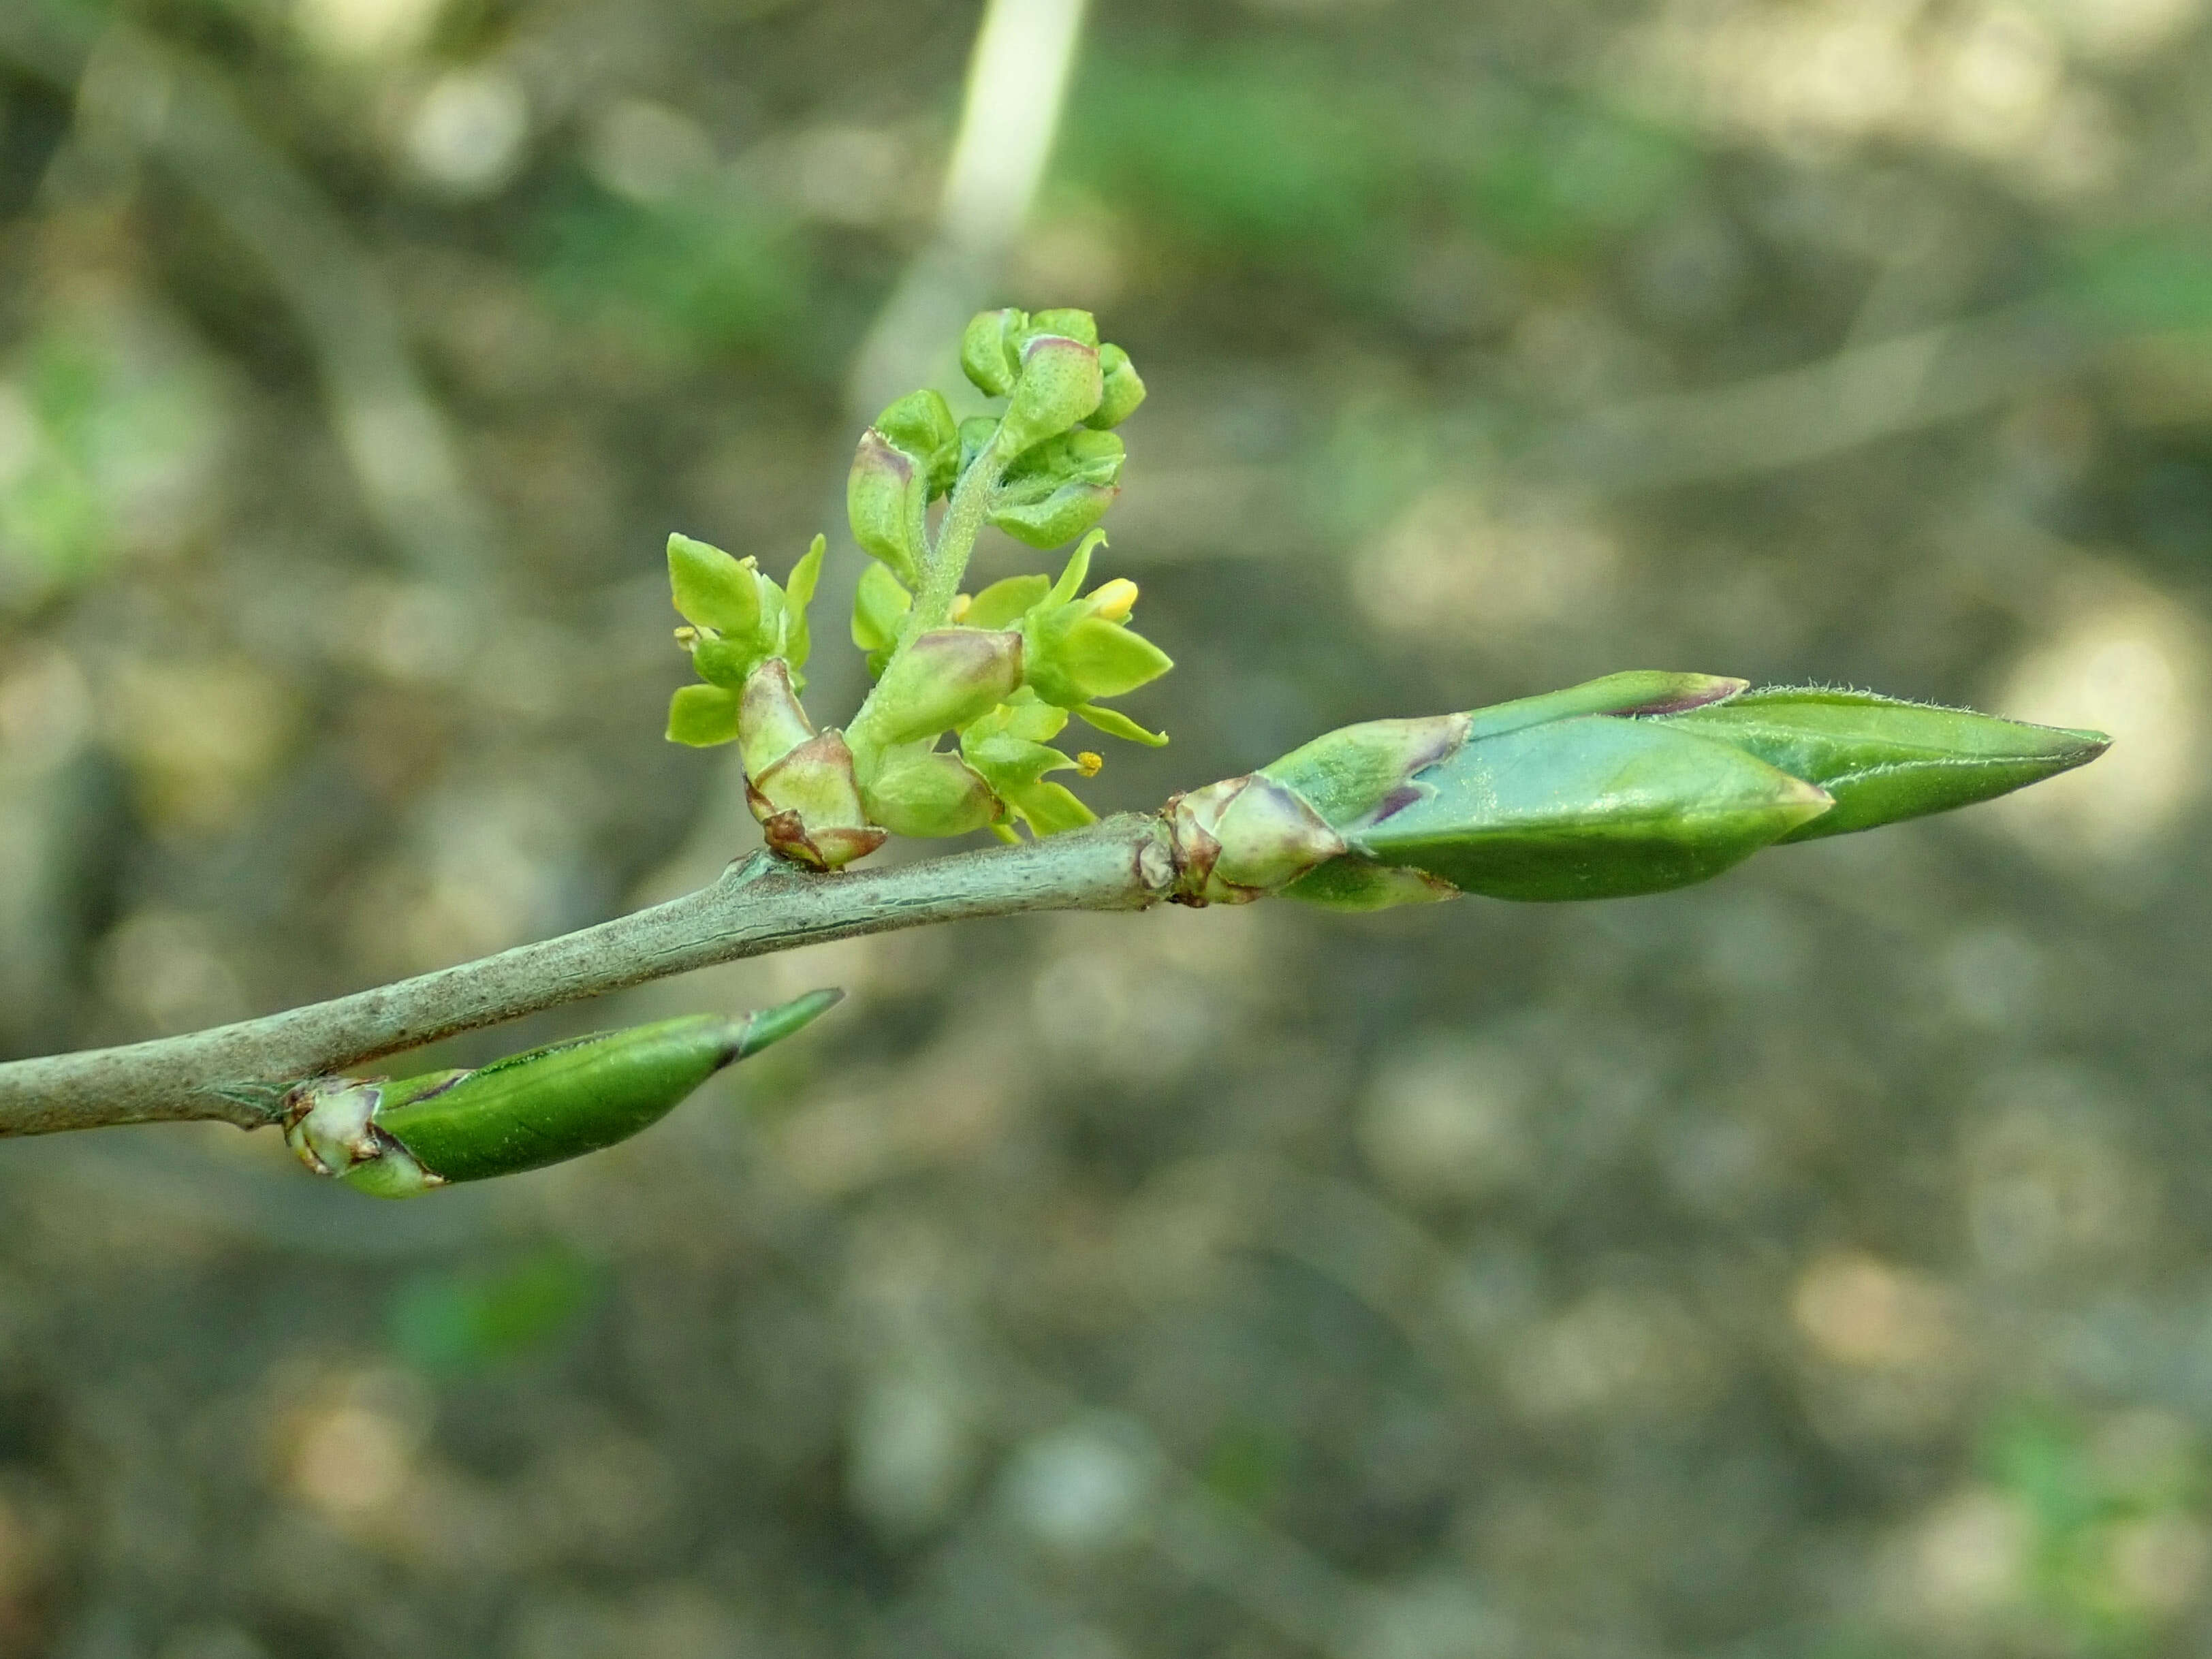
(1590, 807)
(569, 1098)
(1883, 760)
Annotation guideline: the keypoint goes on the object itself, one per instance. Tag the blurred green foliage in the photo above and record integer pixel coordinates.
(457, 1321)
(710, 268)
(1290, 157)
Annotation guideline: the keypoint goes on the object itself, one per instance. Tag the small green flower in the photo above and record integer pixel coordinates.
(1081, 649)
(737, 619)
(1010, 748)
(920, 425)
(886, 496)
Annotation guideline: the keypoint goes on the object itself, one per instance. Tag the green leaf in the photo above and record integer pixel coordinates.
(1590, 807)
(1051, 809)
(1108, 660)
(1004, 603)
(712, 589)
(561, 1100)
(799, 593)
(702, 715)
(1114, 724)
(1883, 760)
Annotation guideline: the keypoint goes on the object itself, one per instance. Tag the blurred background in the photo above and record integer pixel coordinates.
(1808, 1266)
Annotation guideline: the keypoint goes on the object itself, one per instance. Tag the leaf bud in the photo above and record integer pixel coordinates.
(944, 679)
(1059, 386)
(1062, 320)
(1243, 838)
(809, 805)
(921, 425)
(771, 722)
(1060, 488)
(990, 351)
(924, 793)
(886, 495)
(1884, 759)
(1121, 389)
(1360, 773)
(396, 1138)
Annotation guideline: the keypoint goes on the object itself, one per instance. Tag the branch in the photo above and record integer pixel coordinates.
(236, 1072)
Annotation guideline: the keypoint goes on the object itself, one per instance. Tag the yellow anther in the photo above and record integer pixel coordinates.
(1089, 762)
(960, 604)
(1115, 600)
(687, 637)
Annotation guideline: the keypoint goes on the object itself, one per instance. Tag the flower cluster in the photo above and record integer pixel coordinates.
(999, 672)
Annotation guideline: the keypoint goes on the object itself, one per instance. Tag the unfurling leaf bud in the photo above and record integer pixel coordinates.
(1121, 390)
(1592, 806)
(1060, 386)
(1362, 772)
(924, 793)
(1243, 838)
(1060, 488)
(920, 425)
(944, 679)
(1884, 759)
(398, 1138)
(990, 351)
(886, 495)
(1591, 791)
(1063, 320)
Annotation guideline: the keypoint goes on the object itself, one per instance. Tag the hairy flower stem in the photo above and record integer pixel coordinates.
(236, 1073)
(964, 517)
